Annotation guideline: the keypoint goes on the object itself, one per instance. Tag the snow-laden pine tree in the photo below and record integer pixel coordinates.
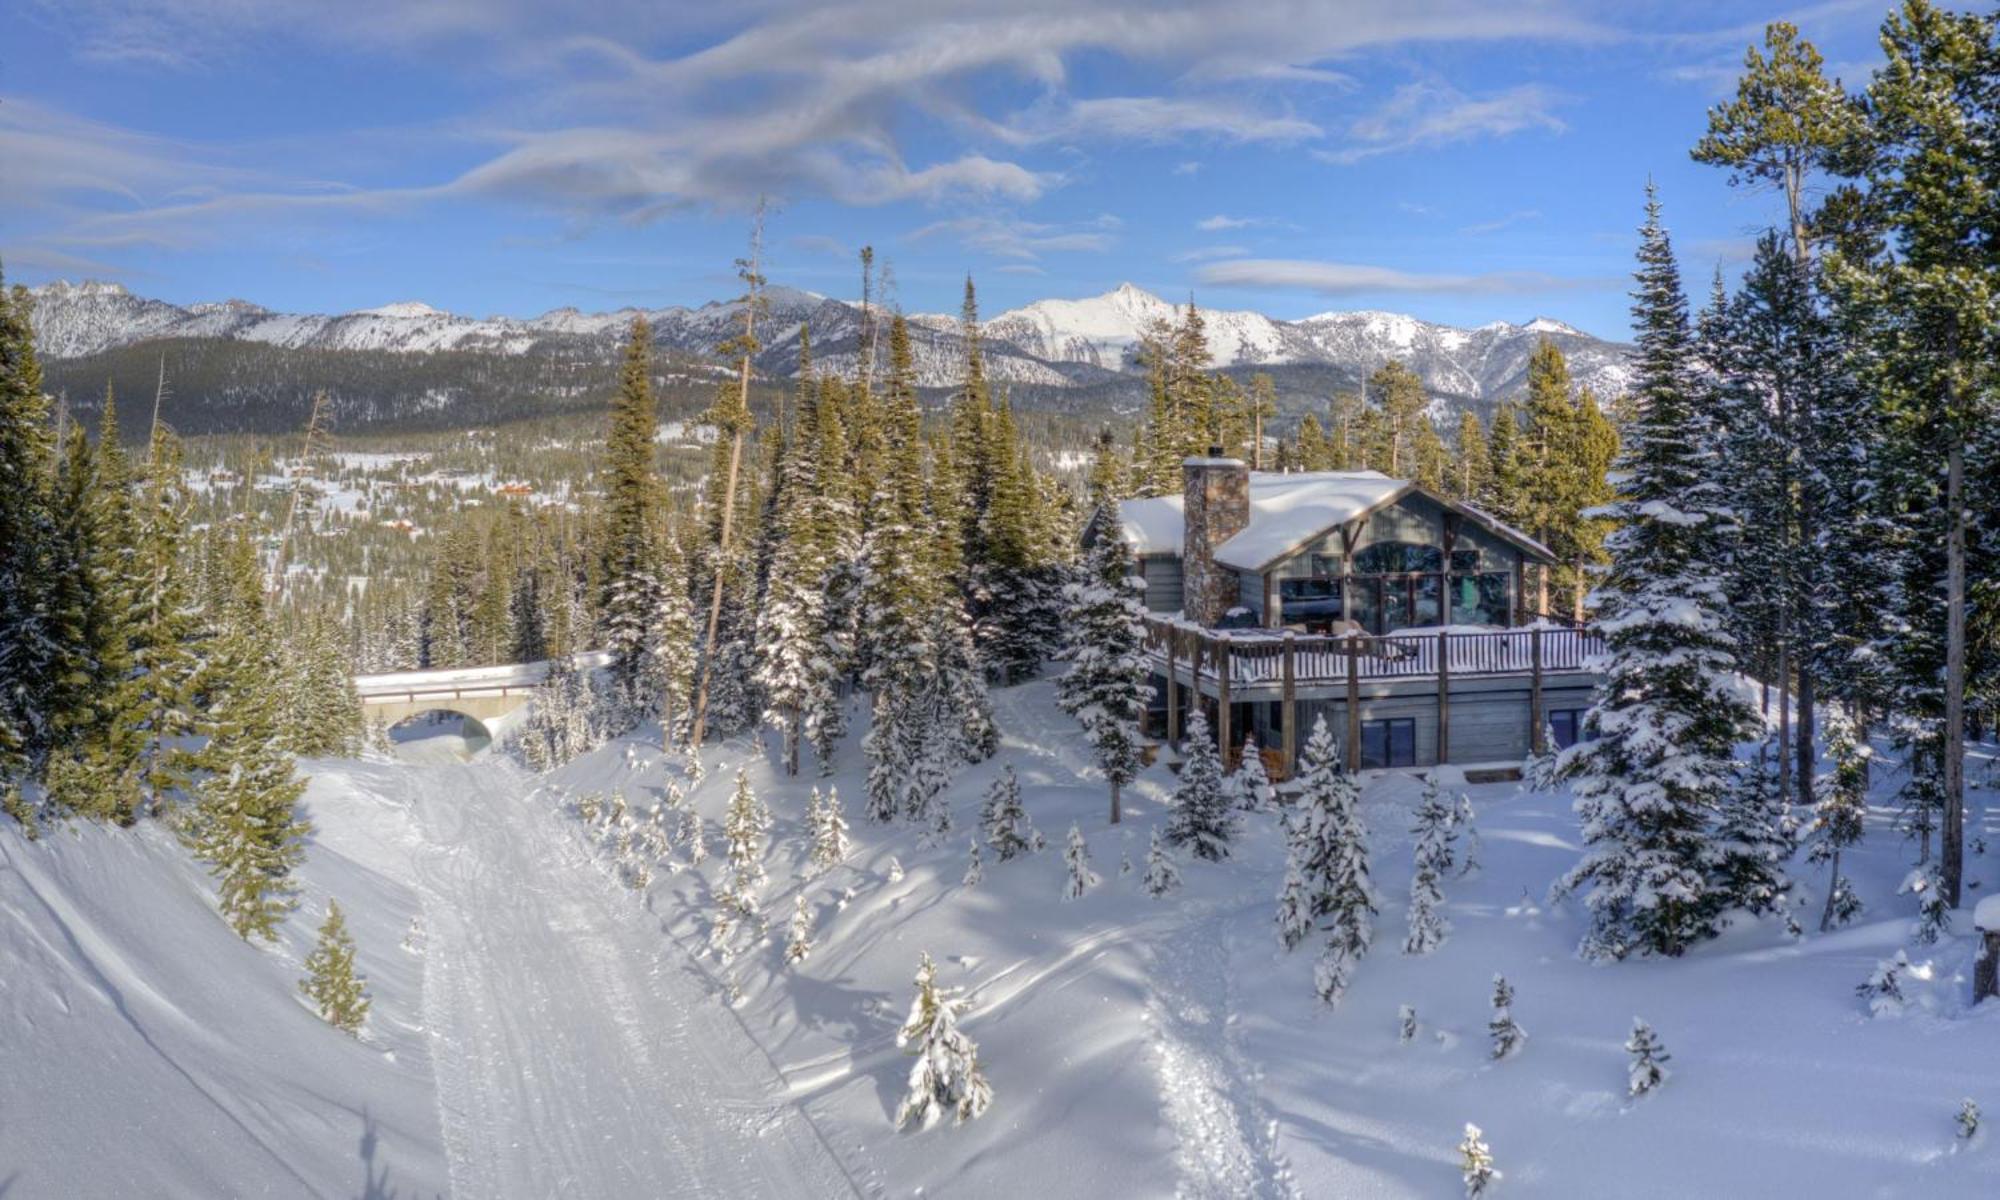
(744, 827)
(1656, 758)
(1475, 1162)
(1003, 818)
(245, 824)
(1507, 1034)
(1754, 835)
(975, 871)
(1432, 835)
(946, 1077)
(1249, 786)
(1883, 990)
(338, 993)
(829, 829)
(1079, 878)
(1162, 876)
(1839, 816)
(798, 941)
(669, 666)
(1203, 819)
(1967, 1120)
(628, 547)
(792, 623)
(1326, 867)
(1105, 688)
(1648, 1057)
(1406, 1024)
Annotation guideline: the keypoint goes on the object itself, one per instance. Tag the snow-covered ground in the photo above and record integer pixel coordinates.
(558, 1033)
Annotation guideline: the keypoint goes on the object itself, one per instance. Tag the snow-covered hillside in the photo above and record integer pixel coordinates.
(1055, 344)
(555, 1031)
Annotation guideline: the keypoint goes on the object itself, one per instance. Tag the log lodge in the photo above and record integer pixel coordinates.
(1398, 614)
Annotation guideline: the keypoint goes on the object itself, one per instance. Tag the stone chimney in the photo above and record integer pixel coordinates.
(1216, 493)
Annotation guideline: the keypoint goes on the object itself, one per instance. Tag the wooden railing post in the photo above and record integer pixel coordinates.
(1288, 705)
(1535, 717)
(1222, 699)
(1444, 698)
(1353, 646)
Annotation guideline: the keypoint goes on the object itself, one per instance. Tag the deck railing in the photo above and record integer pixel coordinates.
(1257, 656)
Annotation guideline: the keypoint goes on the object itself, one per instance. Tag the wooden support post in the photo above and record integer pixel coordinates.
(1173, 687)
(1353, 646)
(1535, 716)
(1444, 698)
(1288, 707)
(1222, 699)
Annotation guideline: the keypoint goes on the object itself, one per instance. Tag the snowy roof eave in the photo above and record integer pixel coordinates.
(1249, 550)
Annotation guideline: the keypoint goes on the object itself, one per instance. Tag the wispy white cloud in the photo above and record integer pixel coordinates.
(1028, 241)
(1499, 223)
(1204, 253)
(1189, 167)
(1435, 114)
(1347, 279)
(1222, 222)
(1153, 119)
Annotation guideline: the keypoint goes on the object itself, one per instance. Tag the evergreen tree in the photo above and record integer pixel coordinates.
(744, 827)
(1432, 835)
(629, 551)
(1475, 1162)
(829, 829)
(1162, 876)
(245, 824)
(1326, 867)
(337, 992)
(1202, 819)
(1657, 759)
(1249, 786)
(667, 673)
(1106, 686)
(1076, 857)
(974, 869)
(1647, 1054)
(29, 647)
(1839, 817)
(946, 1077)
(897, 595)
(1507, 1034)
(798, 943)
(1003, 819)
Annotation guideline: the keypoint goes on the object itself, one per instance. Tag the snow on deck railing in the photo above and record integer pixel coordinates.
(1256, 656)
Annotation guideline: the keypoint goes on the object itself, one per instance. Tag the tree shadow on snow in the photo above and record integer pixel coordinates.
(373, 1186)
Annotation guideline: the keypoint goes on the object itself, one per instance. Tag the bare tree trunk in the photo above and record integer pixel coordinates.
(1953, 845)
(1832, 878)
(1115, 813)
(751, 271)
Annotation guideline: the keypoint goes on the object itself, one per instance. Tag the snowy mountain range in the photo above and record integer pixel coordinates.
(1052, 345)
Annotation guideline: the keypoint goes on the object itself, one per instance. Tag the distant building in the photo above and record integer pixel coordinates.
(1397, 613)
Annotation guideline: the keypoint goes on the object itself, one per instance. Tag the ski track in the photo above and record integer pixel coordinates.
(1209, 1096)
(577, 1054)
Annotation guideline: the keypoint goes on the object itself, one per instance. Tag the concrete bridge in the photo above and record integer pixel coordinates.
(496, 698)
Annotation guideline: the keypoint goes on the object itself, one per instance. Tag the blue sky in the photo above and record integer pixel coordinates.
(1463, 160)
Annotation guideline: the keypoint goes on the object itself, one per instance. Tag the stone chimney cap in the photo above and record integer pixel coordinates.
(1217, 459)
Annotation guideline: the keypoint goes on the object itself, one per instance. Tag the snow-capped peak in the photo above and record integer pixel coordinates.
(1551, 325)
(403, 308)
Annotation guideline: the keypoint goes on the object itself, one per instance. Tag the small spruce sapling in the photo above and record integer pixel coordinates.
(946, 1077)
(1648, 1056)
(1507, 1034)
(1462, 826)
(1883, 989)
(799, 946)
(1406, 1024)
(1432, 835)
(1162, 876)
(974, 870)
(1004, 820)
(895, 869)
(337, 992)
(1076, 856)
(693, 837)
(1202, 819)
(829, 829)
(1933, 909)
(1475, 1162)
(1249, 788)
(1968, 1120)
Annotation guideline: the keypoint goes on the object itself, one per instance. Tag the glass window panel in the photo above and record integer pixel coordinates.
(1429, 590)
(1395, 558)
(1389, 743)
(1465, 560)
(1396, 612)
(1480, 599)
(1403, 743)
(1374, 744)
(1368, 604)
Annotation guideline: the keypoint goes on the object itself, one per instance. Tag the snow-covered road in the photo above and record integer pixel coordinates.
(577, 1052)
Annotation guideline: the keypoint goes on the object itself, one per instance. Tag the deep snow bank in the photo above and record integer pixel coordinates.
(147, 1051)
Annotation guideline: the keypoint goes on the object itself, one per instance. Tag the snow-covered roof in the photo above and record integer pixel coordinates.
(1287, 511)
(1154, 524)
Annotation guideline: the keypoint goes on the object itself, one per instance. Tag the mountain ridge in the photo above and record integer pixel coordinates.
(1053, 344)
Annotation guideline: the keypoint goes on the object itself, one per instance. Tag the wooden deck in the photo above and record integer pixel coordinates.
(1262, 665)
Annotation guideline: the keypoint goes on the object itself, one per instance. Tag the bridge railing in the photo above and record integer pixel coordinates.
(466, 682)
